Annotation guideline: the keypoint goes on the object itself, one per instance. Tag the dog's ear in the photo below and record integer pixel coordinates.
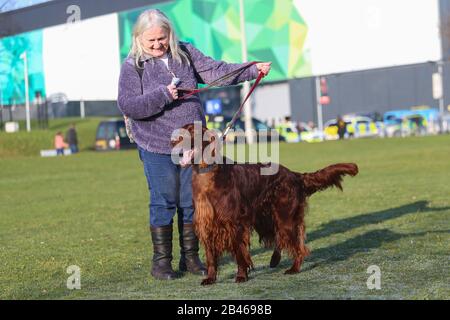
(180, 139)
(211, 136)
(212, 142)
(176, 141)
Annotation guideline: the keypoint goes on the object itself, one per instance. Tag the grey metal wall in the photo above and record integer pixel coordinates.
(303, 97)
(444, 10)
(377, 90)
(55, 12)
(270, 102)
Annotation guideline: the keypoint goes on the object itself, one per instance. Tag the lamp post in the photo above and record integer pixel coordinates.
(438, 90)
(247, 108)
(319, 105)
(27, 101)
(440, 65)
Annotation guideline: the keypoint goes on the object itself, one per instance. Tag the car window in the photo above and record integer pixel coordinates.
(239, 125)
(101, 131)
(110, 131)
(260, 126)
(122, 130)
(391, 117)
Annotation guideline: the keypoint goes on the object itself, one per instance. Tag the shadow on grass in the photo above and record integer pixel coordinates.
(342, 251)
(362, 243)
(344, 225)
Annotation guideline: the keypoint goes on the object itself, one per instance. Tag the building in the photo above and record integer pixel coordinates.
(377, 56)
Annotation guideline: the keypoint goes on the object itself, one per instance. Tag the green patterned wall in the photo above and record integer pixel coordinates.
(12, 67)
(274, 28)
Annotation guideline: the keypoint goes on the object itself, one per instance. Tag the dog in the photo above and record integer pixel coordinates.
(231, 201)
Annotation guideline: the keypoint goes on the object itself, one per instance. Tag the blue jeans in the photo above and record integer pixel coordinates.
(170, 189)
(73, 148)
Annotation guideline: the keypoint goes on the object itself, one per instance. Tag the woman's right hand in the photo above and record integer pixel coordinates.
(173, 91)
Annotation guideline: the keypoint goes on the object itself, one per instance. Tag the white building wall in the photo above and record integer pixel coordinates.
(349, 35)
(271, 101)
(82, 59)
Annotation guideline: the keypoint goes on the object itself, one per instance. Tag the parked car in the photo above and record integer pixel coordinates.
(289, 132)
(357, 127)
(309, 134)
(446, 123)
(377, 118)
(112, 135)
(401, 123)
(238, 132)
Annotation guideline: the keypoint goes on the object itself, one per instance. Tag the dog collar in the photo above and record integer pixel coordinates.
(209, 168)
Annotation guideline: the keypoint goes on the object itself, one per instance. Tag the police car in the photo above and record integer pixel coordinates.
(356, 127)
(261, 131)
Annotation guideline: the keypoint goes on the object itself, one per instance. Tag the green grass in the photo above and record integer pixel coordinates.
(25, 143)
(91, 210)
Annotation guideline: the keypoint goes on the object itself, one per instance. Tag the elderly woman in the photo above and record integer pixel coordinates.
(148, 97)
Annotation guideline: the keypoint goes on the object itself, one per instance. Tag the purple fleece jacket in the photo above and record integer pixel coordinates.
(154, 114)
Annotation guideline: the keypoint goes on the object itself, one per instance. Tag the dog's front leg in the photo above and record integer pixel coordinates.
(243, 261)
(211, 264)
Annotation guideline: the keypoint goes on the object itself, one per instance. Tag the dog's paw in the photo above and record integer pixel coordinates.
(240, 279)
(291, 271)
(208, 281)
(275, 260)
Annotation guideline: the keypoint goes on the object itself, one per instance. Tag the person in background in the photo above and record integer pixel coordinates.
(312, 125)
(59, 143)
(342, 127)
(72, 138)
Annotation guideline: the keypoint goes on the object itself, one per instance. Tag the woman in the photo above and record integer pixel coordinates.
(148, 97)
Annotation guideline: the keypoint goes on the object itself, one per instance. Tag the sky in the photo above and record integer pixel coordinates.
(9, 5)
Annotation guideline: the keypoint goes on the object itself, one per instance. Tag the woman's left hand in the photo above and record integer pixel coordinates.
(264, 67)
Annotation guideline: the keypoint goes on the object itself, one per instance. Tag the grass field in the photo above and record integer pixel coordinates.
(91, 210)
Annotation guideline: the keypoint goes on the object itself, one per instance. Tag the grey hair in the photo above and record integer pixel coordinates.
(155, 18)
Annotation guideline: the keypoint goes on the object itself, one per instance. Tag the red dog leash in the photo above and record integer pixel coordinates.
(215, 83)
(190, 92)
(238, 112)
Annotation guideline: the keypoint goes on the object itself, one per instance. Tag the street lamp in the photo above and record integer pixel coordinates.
(438, 89)
(440, 65)
(247, 108)
(27, 102)
(319, 105)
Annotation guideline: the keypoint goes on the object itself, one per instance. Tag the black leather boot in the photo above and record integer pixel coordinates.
(162, 253)
(189, 259)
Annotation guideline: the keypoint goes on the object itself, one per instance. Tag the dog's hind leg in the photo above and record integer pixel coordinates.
(300, 253)
(276, 257)
(298, 260)
(242, 255)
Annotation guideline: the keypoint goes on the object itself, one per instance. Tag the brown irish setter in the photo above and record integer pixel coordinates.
(233, 200)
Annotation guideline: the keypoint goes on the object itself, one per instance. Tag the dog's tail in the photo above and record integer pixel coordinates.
(327, 177)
